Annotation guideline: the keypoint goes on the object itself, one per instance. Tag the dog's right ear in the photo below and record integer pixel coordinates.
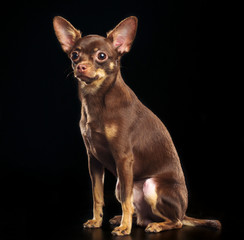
(66, 33)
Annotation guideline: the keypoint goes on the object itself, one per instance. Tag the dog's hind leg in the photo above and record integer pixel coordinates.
(168, 201)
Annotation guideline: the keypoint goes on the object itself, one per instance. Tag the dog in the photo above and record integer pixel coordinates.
(124, 136)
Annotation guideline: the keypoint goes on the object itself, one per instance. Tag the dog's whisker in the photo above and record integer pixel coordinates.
(69, 71)
(72, 72)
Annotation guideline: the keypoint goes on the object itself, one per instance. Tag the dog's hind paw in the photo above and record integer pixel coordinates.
(115, 220)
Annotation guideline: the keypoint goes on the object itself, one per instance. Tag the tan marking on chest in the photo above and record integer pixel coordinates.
(111, 130)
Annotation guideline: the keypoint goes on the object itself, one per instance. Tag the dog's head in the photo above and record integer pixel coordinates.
(94, 57)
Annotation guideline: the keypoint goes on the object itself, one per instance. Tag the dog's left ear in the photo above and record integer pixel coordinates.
(66, 33)
(123, 35)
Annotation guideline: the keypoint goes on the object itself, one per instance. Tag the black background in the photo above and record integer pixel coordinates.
(178, 67)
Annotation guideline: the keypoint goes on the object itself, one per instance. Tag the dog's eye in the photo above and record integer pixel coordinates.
(101, 56)
(74, 55)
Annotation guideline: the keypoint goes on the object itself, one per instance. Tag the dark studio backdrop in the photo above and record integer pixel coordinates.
(176, 69)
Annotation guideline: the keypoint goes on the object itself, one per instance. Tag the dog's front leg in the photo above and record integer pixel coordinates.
(125, 176)
(96, 171)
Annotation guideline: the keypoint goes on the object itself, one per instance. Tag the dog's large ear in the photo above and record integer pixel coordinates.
(124, 34)
(66, 33)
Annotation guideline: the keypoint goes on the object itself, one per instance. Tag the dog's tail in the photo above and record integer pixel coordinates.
(189, 221)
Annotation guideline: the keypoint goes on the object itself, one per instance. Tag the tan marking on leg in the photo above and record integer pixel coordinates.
(124, 167)
(98, 202)
(151, 196)
(117, 191)
(126, 220)
(150, 192)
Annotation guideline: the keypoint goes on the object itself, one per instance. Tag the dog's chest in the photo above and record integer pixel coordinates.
(94, 135)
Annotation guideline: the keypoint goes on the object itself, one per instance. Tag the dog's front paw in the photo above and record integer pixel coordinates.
(93, 223)
(122, 230)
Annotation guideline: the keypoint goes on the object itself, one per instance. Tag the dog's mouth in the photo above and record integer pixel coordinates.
(86, 79)
(99, 74)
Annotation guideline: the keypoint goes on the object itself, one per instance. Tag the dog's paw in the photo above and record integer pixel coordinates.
(115, 220)
(121, 231)
(93, 223)
(154, 227)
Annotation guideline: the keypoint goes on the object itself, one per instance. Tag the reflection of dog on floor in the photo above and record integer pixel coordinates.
(124, 136)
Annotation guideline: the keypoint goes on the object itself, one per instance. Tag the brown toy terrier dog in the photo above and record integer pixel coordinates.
(124, 136)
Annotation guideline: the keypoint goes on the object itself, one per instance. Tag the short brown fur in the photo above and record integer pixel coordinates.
(124, 136)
